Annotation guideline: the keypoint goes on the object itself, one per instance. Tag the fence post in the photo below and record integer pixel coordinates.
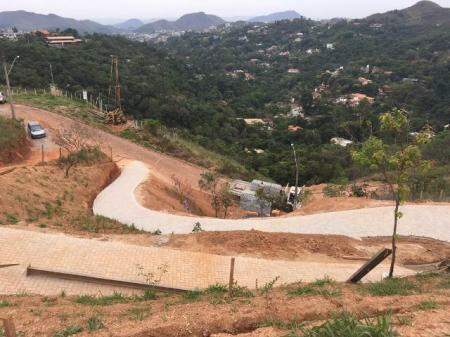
(42, 153)
(10, 329)
(231, 281)
(60, 153)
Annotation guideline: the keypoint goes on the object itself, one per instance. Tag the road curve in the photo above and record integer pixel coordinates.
(118, 201)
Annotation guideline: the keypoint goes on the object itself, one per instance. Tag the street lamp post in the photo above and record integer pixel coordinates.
(8, 86)
(296, 177)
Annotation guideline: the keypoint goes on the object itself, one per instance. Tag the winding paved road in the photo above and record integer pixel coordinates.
(118, 201)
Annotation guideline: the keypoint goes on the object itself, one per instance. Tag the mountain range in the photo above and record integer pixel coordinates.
(287, 15)
(194, 21)
(422, 13)
(28, 21)
(130, 24)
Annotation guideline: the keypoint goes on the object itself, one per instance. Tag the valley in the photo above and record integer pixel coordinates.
(267, 176)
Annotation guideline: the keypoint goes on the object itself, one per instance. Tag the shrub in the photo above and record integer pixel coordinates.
(4, 304)
(193, 295)
(69, 331)
(94, 323)
(11, 218)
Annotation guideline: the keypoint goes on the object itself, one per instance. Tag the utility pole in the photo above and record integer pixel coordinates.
(8, 87)
(296, 177)
(115, 61)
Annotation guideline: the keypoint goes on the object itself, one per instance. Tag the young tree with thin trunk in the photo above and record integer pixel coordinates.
(396, 158)
(209, 182)
(226, 199)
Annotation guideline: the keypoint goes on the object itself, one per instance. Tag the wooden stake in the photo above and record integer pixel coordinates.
(8, 326)
(231, 282)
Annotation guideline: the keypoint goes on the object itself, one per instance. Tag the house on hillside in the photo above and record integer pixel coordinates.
(293, 71)
(354, 100)
(364, 81)
(341, 141)
(61, 41)
(254, 121)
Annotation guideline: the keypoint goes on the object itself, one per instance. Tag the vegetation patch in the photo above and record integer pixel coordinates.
(428, 305)
(347, 325)
(322, 287)
(391, 287)
(69, 331)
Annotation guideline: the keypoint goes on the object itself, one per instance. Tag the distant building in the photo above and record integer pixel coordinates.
(354, 100)
(254, 121)
(293, 71)
(294, 128)
(341, 141)
(330, 46)
(364, 81)
(61, 41)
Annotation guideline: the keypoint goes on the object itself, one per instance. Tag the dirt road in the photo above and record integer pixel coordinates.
(162, 166)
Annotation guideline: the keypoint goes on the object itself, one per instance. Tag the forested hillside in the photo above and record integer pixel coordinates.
(308, 82)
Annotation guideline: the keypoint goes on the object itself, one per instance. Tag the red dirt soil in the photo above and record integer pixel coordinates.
(216, 314)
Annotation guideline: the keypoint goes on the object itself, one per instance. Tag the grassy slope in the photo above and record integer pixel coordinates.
(170, 143)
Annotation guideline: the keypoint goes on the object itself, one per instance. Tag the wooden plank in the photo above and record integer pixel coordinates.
(231, 281)
(98, 280)
(369, 265)
(8, 265)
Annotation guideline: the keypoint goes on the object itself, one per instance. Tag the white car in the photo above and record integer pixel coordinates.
(35, 130)
(2, 98)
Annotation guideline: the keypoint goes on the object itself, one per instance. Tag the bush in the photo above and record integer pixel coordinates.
(94, 323)
(69, 331)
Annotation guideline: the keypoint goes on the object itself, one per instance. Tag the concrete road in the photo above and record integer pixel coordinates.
(118, 201)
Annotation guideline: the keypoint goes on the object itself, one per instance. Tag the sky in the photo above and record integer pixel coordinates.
(148, 9)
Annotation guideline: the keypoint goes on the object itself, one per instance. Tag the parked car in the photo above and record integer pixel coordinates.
(35, 130)
(2, 98)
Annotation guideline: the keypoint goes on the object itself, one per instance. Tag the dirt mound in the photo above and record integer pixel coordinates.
(41, 197)
(289, 246)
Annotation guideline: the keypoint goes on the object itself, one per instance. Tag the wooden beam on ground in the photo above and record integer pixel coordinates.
(8, 265)
(31, 271)
(369, 265)
(231, 280)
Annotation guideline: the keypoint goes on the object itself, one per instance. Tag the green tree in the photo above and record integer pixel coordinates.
(226, 199)
(395, 161)
(209, 182)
